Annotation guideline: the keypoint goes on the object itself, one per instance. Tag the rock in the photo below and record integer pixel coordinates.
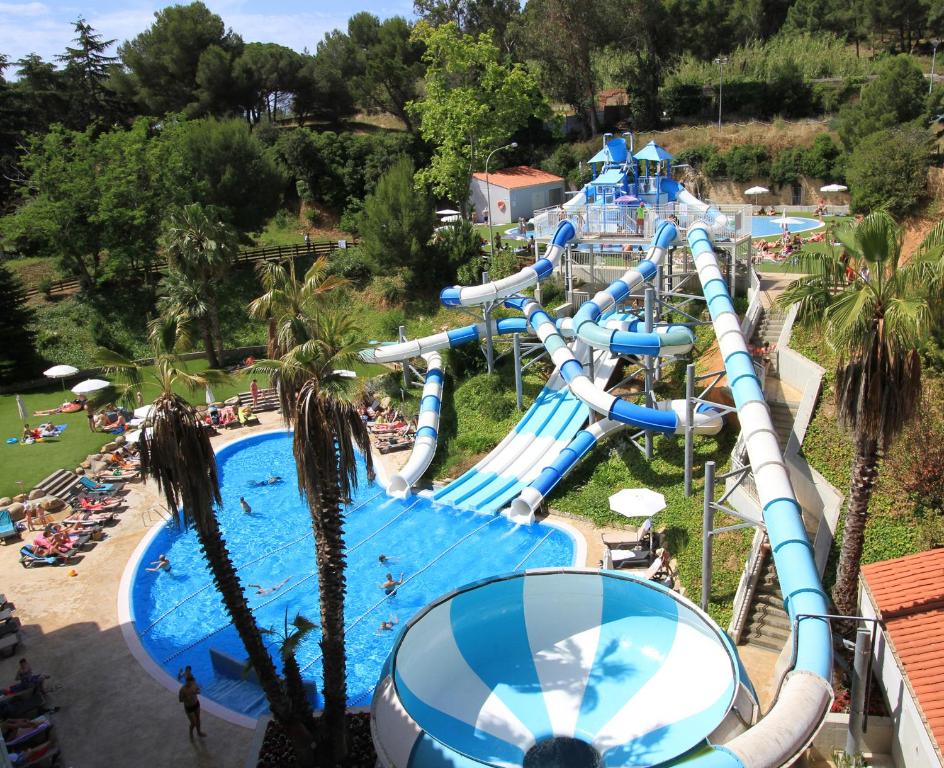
(120, 440)
(5, 501)
(52, 504)
(109, 447)
(87, 464)
(80, 470)
(20, 497)
(16, 510)
(36, 493)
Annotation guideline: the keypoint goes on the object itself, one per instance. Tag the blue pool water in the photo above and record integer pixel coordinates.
(179, 616)
(766, 226)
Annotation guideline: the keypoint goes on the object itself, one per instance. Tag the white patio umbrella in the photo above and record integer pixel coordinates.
(21, 408)
(60, 372)
(755, 191)
(448, 212)
(133, 437)
(834, 188)
(142, 412)
(344, 373)
(90, 385)
(637, 502)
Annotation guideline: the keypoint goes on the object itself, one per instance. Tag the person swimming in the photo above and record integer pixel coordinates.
(389, 624)
(273, 480)
(260, 590)
(390, 585)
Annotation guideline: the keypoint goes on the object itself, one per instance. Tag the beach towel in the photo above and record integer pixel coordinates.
(61, 427)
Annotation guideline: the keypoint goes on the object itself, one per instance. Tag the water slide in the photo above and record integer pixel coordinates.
(806, 694)
(427, 429)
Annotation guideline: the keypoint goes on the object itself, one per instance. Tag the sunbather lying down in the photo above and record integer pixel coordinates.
(70, 407)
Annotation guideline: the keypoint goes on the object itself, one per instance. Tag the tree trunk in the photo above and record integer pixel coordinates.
(272, 350)
(208, 346)
(302, 729)
(234, 600)
(217, 334)
(864, 475)
(329, 551)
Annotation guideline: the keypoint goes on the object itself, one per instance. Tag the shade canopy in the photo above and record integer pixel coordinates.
(60, 371)
(637, 502)
(448, 212)
(143, 411)
(90, 385)
(834, 188)
(652, 151)
(610, 177)
(756, 191)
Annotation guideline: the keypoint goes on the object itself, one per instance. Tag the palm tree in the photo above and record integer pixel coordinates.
(176, 453)
(287, 303)
(291, 636)
(874, 312)
(199, 249)
(328, 432)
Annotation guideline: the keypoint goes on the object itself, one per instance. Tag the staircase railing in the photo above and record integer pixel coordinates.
(747, 586)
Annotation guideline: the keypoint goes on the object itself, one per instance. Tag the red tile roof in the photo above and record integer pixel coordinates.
(909, 595)
(518, 176)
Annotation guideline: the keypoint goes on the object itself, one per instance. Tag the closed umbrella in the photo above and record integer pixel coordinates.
(90, 385)
(21, 407)
(637, 502)
(210, 397)
(60, 372)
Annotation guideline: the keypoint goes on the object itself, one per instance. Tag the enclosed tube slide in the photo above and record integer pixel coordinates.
(495, 290)
(806, 694)
(427, 430)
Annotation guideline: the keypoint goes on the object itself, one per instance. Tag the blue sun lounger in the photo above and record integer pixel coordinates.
(7, 526)
(91, 485)
(28, 558)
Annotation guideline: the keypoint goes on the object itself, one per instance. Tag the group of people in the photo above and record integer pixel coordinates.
(46, 431)
(111, 418)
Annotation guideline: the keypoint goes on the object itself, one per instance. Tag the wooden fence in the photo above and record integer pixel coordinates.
(245, 256)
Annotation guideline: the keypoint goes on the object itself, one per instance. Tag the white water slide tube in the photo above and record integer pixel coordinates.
(427, 430)
(806, 694)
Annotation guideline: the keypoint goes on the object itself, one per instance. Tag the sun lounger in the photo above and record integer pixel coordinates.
(10, 626)
(38, 735)
(91, 485)
(629, 538)
(29, 558)
(7, 527)
(43, 756)
(395, 445)
(8, 644)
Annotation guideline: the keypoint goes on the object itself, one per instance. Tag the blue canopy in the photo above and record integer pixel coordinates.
(612, 176)
(652, 151)
(614, 152)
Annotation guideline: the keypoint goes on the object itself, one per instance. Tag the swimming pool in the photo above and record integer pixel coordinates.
(768, 226)
(179, 618)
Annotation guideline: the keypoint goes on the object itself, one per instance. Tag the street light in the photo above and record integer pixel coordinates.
(488, 196)
(934, 45)
(487, 307)
(720, 61)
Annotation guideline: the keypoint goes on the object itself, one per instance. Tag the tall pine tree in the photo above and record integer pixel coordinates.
(18, 358)
(86, 71)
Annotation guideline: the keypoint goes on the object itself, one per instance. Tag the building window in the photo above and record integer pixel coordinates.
(555, 196)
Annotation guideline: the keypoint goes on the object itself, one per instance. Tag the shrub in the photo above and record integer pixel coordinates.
(352, 263)
(920, 457)
(746, 162)
(489, 394)
(458, 249)
(890, 169)
(787, 166)
(697, 156)
(684, 99)
(391, 289)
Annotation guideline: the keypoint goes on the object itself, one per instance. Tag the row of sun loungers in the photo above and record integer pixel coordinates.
(29, 733)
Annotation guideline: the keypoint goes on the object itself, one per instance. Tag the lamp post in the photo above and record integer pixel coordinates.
(720, 61)
(488, 196)
(934, 44)
(487, 307)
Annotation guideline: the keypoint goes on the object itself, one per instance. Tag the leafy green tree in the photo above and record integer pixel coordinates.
(40, 90)
(268, 73)
(889, 169)
(199, 249)
(397, 225)
(389, 64)
(18, 356)
(163, 61)
(498, 18)
(896, 95)
(324, 81)
(876, 323)
(473, 104)
(87, 68)
(220, 164)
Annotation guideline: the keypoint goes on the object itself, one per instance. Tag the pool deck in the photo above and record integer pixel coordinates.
(112, 711)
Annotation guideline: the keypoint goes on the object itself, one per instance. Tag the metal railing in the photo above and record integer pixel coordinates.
(620, 220)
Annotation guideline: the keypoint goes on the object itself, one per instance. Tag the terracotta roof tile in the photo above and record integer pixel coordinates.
(909, 595)
(518, 176)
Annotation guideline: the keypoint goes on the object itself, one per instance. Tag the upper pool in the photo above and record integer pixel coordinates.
(179, 617)
(769, 226)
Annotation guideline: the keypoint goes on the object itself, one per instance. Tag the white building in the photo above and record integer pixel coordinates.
(907, 594)
(515, 193)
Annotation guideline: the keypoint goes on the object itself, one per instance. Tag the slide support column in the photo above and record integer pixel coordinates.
(487, 315)
(689, 428)
(708, 522)
(406, 373)
(519, 394)
(863, 649)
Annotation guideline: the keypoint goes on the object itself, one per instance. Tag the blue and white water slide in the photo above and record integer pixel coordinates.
(489, 674)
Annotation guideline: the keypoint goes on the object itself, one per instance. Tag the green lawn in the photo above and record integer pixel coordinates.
(27, 464)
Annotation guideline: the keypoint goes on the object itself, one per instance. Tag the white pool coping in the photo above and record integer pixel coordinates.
(133, 641)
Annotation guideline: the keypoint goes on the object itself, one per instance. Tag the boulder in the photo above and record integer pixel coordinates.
(36, 493)
(52, 504)
(16, 510)
(5, 501)
(80, 470)
(87, 463)
(20, 497)
(120, 440)
(109, 447)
